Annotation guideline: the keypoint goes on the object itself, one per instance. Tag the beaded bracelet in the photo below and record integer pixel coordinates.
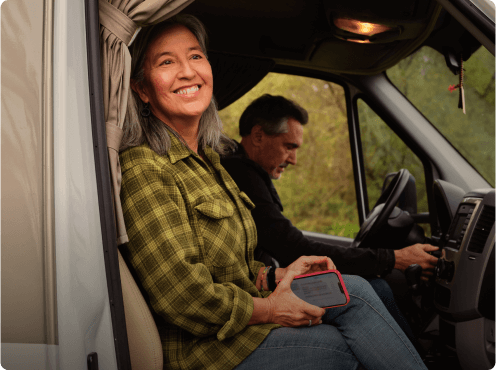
(263, 276)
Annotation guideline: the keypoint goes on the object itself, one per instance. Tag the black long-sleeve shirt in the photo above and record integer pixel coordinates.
(278, 237)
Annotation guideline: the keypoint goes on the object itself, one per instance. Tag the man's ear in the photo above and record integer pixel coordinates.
(257, 135)
(140, 90)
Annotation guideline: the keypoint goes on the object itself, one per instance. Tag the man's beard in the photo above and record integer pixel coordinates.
(272, 174)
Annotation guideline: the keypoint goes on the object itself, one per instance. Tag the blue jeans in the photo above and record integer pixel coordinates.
(361, 332)
(386, 295)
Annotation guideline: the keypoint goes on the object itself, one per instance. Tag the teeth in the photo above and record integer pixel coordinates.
(188, 91)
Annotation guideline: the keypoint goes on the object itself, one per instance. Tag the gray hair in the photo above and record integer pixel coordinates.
(272, 114)
(139, 129)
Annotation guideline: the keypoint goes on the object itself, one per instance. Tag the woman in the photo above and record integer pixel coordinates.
(192, 236)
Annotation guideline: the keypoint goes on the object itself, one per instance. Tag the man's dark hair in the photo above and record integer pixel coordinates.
(272, 113)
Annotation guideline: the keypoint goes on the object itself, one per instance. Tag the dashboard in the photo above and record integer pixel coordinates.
(464, 293)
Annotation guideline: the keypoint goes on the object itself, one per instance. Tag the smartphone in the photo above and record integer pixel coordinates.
(323, 289)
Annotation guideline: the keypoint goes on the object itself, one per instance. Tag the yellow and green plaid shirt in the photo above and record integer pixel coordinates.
(191, 243)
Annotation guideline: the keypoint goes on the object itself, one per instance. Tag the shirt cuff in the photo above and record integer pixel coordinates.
(386, 256)
(240, 314)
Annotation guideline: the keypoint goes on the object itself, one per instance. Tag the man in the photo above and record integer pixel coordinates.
(271, 128)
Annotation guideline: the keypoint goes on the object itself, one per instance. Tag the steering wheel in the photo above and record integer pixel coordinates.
(383, 207)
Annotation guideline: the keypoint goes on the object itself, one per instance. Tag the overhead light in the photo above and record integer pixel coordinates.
(359, 27)
(359, 41)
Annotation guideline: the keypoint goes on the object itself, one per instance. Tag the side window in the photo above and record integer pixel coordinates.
(318, 194)
(384, 152)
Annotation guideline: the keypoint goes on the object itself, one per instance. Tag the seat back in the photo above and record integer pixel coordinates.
(145, 347)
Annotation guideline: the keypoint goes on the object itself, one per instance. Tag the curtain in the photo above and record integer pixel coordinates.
(234, 75)
(119, 21)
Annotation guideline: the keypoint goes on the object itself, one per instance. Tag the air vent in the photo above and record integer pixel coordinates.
(482, 230)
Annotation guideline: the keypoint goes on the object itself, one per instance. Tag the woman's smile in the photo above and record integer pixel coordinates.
(188, 91)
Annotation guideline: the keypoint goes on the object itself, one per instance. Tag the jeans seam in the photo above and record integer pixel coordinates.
(322, 348)
(388, 324)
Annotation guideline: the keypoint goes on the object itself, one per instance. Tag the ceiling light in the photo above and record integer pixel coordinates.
(359, 27)
(359, 41)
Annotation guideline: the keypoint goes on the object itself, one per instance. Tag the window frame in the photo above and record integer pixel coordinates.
(473, 20)
(105, 199)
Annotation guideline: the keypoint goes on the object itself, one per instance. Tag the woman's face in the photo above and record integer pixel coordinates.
(178, 80)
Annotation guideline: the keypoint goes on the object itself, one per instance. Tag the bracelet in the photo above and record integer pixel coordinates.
(263, 276)
(271, 279)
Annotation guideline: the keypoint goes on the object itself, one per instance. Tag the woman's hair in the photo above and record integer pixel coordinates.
(271, 113)
(138, 129)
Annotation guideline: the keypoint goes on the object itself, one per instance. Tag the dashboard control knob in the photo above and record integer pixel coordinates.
(445, 269)
(412, 274)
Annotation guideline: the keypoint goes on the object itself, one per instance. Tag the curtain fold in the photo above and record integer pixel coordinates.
(119, 21)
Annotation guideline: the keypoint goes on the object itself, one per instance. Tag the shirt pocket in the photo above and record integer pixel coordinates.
(249, 204)
(218, 230)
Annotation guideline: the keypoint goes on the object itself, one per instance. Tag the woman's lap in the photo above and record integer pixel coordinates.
(312, 348)
(363, 329)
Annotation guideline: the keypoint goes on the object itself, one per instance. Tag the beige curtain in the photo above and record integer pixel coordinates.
(119, 21)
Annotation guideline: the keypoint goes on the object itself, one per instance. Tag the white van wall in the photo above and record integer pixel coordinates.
(80, 308)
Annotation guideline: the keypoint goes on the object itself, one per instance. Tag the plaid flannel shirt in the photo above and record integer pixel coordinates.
(191, 243)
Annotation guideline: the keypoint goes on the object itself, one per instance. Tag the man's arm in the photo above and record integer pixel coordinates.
(283, 241)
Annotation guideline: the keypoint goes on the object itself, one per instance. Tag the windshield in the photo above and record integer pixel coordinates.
(426, 81)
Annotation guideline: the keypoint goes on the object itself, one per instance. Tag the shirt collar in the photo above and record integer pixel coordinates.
(179, 151)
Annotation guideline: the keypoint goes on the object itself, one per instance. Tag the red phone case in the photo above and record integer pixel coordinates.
(340, 281)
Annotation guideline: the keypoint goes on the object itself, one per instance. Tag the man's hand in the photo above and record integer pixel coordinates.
(416, 254)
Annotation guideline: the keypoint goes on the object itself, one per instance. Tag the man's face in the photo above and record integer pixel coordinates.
(278, 151)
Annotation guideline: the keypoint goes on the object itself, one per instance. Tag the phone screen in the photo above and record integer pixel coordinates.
(322, 290)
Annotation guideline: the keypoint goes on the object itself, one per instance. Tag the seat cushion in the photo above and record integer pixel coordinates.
(145, 347)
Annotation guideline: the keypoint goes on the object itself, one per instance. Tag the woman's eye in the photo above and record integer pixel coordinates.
(167, 62)
(196, 56)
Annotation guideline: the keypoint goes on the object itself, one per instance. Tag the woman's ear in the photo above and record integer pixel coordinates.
(140, 90)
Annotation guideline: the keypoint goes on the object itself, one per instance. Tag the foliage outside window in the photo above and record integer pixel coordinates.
(384, 152)
(318, 194)
(425, 79)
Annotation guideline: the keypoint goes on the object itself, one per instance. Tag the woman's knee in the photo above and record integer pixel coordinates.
(358, 286)
(355, 282)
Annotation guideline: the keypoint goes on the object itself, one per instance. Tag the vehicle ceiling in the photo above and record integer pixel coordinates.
(301, 33)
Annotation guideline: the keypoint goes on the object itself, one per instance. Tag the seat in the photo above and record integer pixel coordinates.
(145, 347)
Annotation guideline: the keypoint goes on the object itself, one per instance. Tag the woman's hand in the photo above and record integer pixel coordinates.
(306, 265)
(286, 309)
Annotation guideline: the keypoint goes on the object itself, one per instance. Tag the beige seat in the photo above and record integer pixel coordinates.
(145, 347)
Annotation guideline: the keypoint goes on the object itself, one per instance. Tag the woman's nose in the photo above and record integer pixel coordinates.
(186, 70)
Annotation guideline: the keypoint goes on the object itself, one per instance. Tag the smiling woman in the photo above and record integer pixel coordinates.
(192, 236)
